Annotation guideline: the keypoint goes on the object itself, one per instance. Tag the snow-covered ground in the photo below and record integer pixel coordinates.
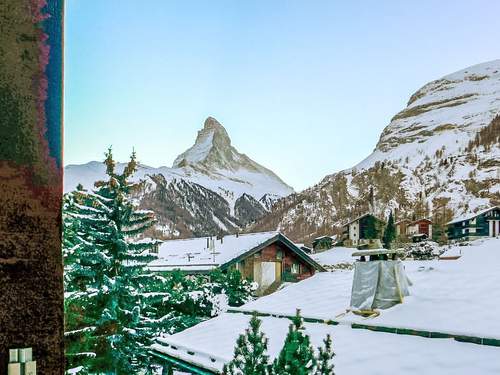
(459, 297)
(357, 351)
(336, 255)
(456, 296)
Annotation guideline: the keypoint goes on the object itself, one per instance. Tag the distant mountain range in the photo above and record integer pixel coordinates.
(439, 156)
(210, 187)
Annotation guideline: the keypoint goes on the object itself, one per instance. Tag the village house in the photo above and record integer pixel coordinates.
(485, 223)
(364, 230)
(268, 258)
(402, 227)
(421, 228)
(323, 243)
(417, 229)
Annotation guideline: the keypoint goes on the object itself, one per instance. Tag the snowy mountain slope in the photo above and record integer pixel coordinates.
(211, 165)
(445, 112)
(439, 155)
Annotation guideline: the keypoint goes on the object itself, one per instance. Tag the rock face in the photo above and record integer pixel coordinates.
(210, 187)
(247, 209)
(440, 156)
(213, 151)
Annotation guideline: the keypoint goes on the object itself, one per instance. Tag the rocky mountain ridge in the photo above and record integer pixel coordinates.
(211, 187)
(435, 158)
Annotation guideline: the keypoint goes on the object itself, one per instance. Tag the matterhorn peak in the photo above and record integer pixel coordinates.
(212, 123)
(212, 153)
(214, 129)
(212, 149)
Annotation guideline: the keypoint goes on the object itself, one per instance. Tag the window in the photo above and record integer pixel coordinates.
(279, 255)
(295, 268)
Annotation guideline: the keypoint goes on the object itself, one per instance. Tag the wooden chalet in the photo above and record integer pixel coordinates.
(323, 243)
(421, 228)
(268, 258)
(402, 227)
(485, 223)
(357, 231)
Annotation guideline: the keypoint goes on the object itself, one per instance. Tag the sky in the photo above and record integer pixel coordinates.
(303, 87)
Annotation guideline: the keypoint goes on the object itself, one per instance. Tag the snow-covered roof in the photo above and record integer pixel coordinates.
(402, 221)
(211, 344)
(207, 253)
(470, 215)
(335, 256)
(325, 237)
(360, 217)
(422, 219)
(453, 297)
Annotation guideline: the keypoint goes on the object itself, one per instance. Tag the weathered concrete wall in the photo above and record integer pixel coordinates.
(31, 289)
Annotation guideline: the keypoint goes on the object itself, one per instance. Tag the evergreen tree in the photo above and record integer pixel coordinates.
(107, 327)
(231, 284)
(325, 358)
(250, 356)
(297, 355)
(372, 227)
(389, 232)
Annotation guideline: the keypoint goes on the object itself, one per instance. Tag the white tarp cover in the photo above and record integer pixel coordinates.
(379, 284)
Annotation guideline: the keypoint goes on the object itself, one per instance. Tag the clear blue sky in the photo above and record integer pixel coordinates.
(303, 87)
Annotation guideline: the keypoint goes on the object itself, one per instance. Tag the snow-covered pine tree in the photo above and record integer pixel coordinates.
(325, 364)
(106, 330)
(250, 353)
(297, 355)
(237, 289)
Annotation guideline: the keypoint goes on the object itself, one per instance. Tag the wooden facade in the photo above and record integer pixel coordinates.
(421, 228)
(364, 230)
(402, 227)
(274, 263)
(287, 265)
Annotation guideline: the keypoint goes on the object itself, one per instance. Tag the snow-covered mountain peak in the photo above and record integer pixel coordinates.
(212, 154)
(211, 185)
(439, 157)
(212, 149)
(442, 115)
